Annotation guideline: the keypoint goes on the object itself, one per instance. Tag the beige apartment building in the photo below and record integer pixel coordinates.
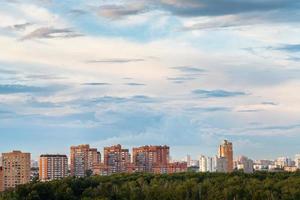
(16, 169)
(1, 180)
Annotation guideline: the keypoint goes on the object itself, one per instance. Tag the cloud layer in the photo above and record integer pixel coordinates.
(186, 73)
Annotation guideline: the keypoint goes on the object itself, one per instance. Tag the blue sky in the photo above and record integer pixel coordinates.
(186, 73)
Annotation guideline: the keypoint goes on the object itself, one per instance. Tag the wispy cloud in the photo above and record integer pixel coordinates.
(119, 11)
(218, 93)
(209, 109)
(45, 77)
(8, 89)
(20, 27)
(135, 84)
(196, 8)
(189, 69)
(269, 103)
(181, 79)
(49, 32)
(188, 73)
(96, 84)
(77, 12)
(117, 60)
(112, 100)
(292, 48)
(249, 110)
(219, 7)
(277, 127)
(13, 88)
(5, 71)
(294, 58)
(223, 14)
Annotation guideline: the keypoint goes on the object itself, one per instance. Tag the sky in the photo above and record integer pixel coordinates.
(186, 73)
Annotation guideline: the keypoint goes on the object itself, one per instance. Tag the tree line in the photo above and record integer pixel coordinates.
(181, 186)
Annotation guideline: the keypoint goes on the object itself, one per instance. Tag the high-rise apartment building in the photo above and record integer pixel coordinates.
(116, 159)
(1, 180)
(94, 157)
(297, 161)
(226, 151)
(16, 169)
(82, 159)
(202, 164)
(211, 164)
(53, 167)
(188, 160)
(282, 162)
(222, 164)
(145, 158)
(245, 164)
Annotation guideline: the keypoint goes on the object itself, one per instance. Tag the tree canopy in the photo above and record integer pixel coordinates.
(181, 186)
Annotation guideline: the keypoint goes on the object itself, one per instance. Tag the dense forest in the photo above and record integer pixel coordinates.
(186, 186)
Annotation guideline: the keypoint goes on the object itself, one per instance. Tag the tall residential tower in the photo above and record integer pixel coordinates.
(226, 151)
(116, 159)
(146, 158)
(16, 169)
(82, 159)
(53, 167)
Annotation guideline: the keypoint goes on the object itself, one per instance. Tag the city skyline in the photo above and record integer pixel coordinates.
(17, 168)
(90, 151)
(185, 73)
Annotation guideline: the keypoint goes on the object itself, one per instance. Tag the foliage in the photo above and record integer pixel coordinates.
(181, 186)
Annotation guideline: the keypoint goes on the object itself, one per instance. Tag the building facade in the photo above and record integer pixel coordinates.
(226, 151)
(282, 162)
(202, 163)
(211, 164)
(245, 164)
(177, 167)
(148, 158)
(94, 157)
(1, 180)
(188, 160)
(116, 159)
(297, 161)
(222, 165)
(53, 167)
(16, 169)
(82, 160)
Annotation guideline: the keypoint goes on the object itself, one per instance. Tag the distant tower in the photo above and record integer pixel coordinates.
(203, 164)
(225, 151)
(297, 160)
(188, 160)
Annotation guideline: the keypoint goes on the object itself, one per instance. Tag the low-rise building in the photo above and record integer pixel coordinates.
(290, 169)
(177, 167)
